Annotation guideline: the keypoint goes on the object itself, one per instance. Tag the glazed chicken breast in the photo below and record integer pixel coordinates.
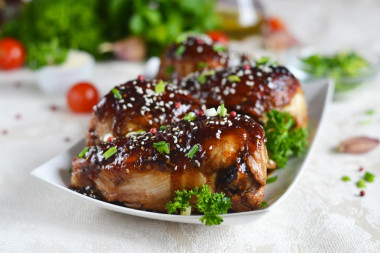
(143, 170)
(190, 55)
(250, 90)
(138, 105)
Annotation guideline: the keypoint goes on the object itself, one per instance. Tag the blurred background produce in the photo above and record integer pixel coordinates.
(45, 32)
(12, 54)
(241, 18)
(48, 29)
(130, 29)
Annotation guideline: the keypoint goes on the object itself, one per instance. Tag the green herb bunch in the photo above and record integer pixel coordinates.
(159, 21)
(342, 64)
(283, 138)
(211, 205)
(48, 28)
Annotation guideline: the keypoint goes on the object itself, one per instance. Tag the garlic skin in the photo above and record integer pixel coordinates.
(128, 49)
(358, 145)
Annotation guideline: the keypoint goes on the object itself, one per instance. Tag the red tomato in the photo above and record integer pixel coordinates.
(12, 54)
(218, 36)
(82, 97)
(275, 24)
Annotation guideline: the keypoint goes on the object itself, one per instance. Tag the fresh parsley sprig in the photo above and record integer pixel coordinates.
(283, 138)
(211, 205)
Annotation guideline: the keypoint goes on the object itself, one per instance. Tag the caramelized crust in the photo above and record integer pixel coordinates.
(198, 53)
(140, 108)
(231, 158)
(250, 90)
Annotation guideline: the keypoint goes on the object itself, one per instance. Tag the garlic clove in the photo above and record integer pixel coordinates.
(358, 145)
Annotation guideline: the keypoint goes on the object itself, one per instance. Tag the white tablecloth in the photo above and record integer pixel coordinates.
(322, 213)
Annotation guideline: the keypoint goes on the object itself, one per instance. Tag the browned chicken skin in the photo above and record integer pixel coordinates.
(139, 107)
(231, 158)
(192, 54)
(250, 90)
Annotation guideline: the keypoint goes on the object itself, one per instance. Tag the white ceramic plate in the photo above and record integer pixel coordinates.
(318, 94)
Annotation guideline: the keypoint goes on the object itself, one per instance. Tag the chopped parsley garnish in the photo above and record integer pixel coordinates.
(83, 152)
(370, 112)
(110, 152)
(265, 61)
(162, 147)
(193, 150)
(162, 128)
(346, 179)
(219, 48)
(233, 78)
(116, 93)
(361, 183)
(190, 116)
(202, 65)
(140, 131)
(263, 205)
(160, 87)
(202, 77)
(366, 122)
(222, 111)
(211, 205)
(369, 177)
(181, 38)
(271, 179)
(284, 138)
(180, 50)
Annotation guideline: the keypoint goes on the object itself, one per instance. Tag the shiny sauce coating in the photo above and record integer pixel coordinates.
(138, 102)
(247, 89)
(137, 151)
(143, 170)
(192, 54)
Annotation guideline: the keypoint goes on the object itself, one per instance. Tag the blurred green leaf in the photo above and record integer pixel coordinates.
(136, 24)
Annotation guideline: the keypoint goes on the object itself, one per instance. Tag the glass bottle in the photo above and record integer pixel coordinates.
(240, 18)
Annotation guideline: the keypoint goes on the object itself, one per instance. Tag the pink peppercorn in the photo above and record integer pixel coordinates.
(140, 78)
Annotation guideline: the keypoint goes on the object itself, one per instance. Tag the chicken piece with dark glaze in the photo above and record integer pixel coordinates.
(227, 153)
(249, 89)
(192, 54)
(136, 105)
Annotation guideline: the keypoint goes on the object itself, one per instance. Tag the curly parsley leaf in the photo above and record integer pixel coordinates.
(211, 205)
(284, 139)
(181, 201)
(264, 205)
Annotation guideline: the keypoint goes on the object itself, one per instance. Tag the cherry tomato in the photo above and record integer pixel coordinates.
(82, 97)
(275, 24)
(218, 36)
(12, 54)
